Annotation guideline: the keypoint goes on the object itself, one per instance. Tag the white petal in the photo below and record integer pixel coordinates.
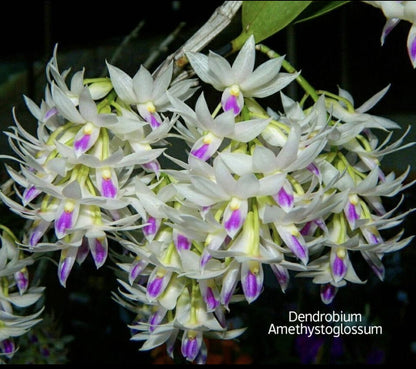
(224, 177)
(143, 85)
(249, 129)
(65, 106)
(162, 82)
(199, 63)
(221, 69)
(269, 89)
(372, 101)
(264, 161)
(247, 186)
(244, 62)
(72, 190)
(238, 163)
(122, 83)
(77, 82)
(289, 151)
(263, 75)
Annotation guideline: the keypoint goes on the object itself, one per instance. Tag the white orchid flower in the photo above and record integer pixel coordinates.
(239, 80)
(149, 94)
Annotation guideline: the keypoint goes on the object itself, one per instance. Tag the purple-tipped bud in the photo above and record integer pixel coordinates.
(151, 228)
(352, 214)
(154, 121)
(374, 261)
(251, 280)
(202, 356)
(30, 193)
(170, 344)
(37, 233)
(108, 187)
(50, 113)
(379, 270)
(152, 166)
(182, 242)
(99, 250)
(136, 269)
(313, 169)
(156, 318)
(294, 240)
(372, 235)
(210, 299)
(201, 152)
(83, 251)
(250, 287)
(284, 198)
(281, 274)
(299, 249)
(388, 27)
(149, 114)
(191, 344)
(213, 242)
(328, 292)
(65, 220)
(308, 229)
(205, 257)
(234, 222)
(7, 346)
(232, 100)
(65, 266)
(321, 224)
(232, 104)
(374, 239)
(154, 287)
(352, 211)
(22, 280)
(229, 284)
(157, 283)
(82, 144)
(339, 264)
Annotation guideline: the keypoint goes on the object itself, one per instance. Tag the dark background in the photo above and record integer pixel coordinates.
(341, 48)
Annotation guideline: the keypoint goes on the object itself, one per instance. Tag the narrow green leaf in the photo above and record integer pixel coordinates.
(318, 8)
(265, 18)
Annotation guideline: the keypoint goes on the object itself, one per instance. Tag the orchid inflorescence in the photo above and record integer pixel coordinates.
(295, 190)
(17, 296)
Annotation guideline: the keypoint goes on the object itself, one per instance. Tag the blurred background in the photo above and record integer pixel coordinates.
(340, 49)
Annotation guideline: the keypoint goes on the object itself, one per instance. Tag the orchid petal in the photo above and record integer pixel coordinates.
(411, 45)
(66, 263)
(328, 292)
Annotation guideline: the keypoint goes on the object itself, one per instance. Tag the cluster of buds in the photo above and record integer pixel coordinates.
(296, 191)
(16, 297)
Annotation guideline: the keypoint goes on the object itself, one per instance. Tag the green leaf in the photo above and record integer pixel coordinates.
(265, 18)
(318, 8)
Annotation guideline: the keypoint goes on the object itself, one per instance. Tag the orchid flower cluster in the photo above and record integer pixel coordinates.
(295, 190)
(16, 296)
